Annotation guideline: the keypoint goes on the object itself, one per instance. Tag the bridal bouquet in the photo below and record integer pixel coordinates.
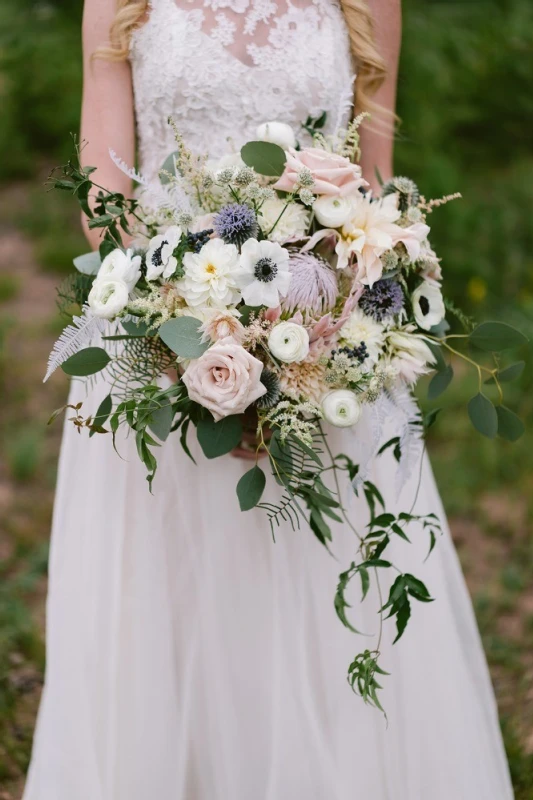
(288, 299)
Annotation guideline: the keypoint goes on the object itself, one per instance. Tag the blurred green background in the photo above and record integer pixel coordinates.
(466, 100)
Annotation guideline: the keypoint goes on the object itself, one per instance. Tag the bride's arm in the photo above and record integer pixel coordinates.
(377, 144)
(107, 119)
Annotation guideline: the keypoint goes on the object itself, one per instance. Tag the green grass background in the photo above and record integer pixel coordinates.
(466, 100)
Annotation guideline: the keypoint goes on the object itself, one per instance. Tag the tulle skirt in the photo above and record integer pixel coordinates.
(191, 657)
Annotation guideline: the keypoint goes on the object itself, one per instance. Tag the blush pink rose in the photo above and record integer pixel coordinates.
(226, 379)
(333, 174)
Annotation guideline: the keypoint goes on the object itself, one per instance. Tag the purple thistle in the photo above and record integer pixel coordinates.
(235, 223)
(313, 286)
(384, 299)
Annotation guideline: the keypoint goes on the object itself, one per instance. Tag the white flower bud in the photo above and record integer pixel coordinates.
(289, 342)
(108, 297)
(278, 133)
(341, 408)
(332, 212)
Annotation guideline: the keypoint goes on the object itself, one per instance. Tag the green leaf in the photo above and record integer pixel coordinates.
(250, 488)
(266, 158)
(403, 615)
(440, 382)
(183, 337)
(102, 414)
(88, 264)
(431, 417)
(86, 362)
(134, 328)
(319, 526)
(161, 421)
(496, 336)
(510, 426)
(509, 374)
(218, 438)
(483, 415)
(169, 165)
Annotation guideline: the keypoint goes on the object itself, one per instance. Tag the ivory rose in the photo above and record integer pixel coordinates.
(332, 174)
(226, 379)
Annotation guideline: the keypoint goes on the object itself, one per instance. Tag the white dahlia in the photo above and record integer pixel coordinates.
(209, 278)
(361, 328)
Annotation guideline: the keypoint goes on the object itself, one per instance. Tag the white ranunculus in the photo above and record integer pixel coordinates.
(341, 408)
(209, 278)
(108, 297)
(333, 211)
(292, 223)
(428, 305)
(159, 259)
(289, 342)
(360, 328)
(409, 354)
(278, 133)
(118, 265)
(263, 276)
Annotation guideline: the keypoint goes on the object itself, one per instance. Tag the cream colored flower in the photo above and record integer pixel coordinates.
(369, 232)
(278, 133)
(108, 298)
(121, 266)
(303, 379)
(361, 328)
(341, 408)
(226, 379)
(291, 220)
(332, 212)
(289, 342)
(209, 278)
(409, 354)
(221, 324)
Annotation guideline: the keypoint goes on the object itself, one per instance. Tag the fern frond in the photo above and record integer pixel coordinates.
(131, 172)
(74, 338)
(137, 362)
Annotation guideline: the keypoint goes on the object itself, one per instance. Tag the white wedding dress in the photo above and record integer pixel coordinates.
(189, 656)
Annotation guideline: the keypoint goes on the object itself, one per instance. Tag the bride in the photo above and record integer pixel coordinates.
(190, 657)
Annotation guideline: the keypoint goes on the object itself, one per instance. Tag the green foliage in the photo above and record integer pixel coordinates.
(218, 438)
(9, 287)
(184, 337)
(266, 158)
(250, 488)
(86, 362)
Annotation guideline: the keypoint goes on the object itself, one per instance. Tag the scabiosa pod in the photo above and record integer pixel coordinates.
(383, 300)
(405, 189)
(273, 390)
(235, 223)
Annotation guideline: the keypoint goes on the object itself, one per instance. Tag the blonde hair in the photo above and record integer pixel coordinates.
(370, 65)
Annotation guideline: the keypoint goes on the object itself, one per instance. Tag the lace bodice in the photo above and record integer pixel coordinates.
(222, 67)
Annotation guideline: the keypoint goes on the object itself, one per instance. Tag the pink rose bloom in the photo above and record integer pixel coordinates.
(226, 379)
(333, 174)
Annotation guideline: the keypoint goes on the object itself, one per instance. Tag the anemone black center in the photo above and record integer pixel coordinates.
(424, 305)
(157, 258)
(265, 270)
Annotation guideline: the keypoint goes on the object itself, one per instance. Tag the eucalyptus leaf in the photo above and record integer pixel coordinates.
(169, 165)
(440, 382)
(250, 488)
(86, 362)
(510, 373)
(88, 264)
(183, 337)
(218, 438)
(496, 336)
(266, 158)
(161, 421)
(510, 426)
(103, 412)
(483, 415)
(134, 328)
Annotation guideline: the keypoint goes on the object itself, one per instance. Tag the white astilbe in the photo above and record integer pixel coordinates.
(74, 338)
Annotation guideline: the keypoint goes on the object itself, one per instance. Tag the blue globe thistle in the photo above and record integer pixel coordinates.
(384, 299)
(235, 223)
(273, 390)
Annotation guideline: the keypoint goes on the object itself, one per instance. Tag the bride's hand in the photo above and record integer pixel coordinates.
(247, 449)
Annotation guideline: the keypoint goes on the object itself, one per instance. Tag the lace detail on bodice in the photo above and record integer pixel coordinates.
(222, 67)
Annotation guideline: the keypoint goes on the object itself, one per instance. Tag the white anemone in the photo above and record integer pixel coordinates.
(428, 305)
(263, 276)
(160, 261)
